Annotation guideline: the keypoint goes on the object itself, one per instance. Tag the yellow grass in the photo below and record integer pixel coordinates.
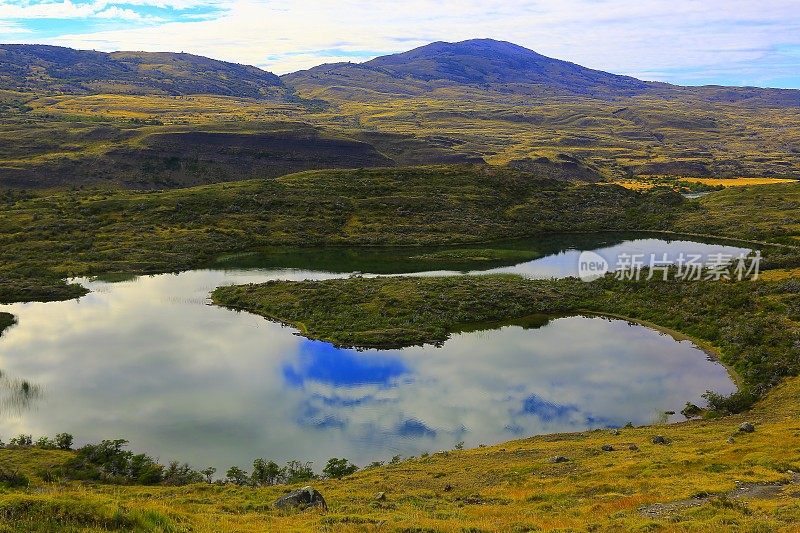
(738, 182)
(780, 274)
(646, 182)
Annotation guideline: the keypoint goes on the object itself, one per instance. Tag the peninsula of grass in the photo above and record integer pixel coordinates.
(752, 324)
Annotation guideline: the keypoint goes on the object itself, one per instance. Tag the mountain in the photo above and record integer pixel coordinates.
(55, 69)
(498, 68)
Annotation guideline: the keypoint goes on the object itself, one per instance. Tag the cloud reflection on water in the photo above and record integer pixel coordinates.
(146, 361)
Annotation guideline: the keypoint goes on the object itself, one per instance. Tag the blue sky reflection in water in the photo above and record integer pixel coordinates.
(146, 360)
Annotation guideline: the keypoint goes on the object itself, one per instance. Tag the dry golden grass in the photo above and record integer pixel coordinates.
(781, 274)
(640, 135)
(739, 182)
(645, 182)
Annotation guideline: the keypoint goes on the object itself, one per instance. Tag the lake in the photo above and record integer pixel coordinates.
(146, 359)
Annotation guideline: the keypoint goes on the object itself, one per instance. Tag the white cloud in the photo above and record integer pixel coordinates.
(12, 28)
(46, 10)
(103, 9)
(117, 13)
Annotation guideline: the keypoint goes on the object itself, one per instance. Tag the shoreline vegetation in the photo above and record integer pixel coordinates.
(6, 321)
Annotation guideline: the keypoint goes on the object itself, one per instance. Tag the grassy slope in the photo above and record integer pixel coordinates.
(508, 487)
(641, 135)
(763, 212)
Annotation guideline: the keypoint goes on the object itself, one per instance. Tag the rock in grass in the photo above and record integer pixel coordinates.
(633, 448)
(559, 459)
(747, 427)
(302, 498)
(691, 410)
(608, 448)
(381, 497)
(660, 439)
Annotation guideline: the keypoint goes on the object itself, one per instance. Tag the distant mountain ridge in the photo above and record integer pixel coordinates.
(476, 68)
(500, 67)
(55, 69)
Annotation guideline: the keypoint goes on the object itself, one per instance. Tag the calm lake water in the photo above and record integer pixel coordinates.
(148, 360)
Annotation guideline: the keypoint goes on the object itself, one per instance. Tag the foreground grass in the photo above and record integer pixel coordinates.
(508, 487)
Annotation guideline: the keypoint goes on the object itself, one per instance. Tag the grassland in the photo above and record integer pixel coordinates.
(45, 237)
(75, 140)
(634, 136)
(697, 184)
(52, 235)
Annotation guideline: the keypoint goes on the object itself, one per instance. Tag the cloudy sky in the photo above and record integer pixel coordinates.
(730, 42)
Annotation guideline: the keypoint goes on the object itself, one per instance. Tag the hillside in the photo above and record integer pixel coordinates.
(72, 233)
(58, 70)
(501, 68)
(70, 122)
(479, 63)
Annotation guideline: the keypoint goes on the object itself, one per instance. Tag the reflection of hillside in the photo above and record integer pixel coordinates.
(403, 260)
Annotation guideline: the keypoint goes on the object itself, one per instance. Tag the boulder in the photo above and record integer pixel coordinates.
(381, 497)
(559, 459)
(302, 498)
(747, 427)
(660, 439)
(608, 448)
(691, 410)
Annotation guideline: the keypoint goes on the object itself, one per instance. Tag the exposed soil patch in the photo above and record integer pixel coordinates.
(743, 491)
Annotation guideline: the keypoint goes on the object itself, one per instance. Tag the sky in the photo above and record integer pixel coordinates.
(728, 42)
